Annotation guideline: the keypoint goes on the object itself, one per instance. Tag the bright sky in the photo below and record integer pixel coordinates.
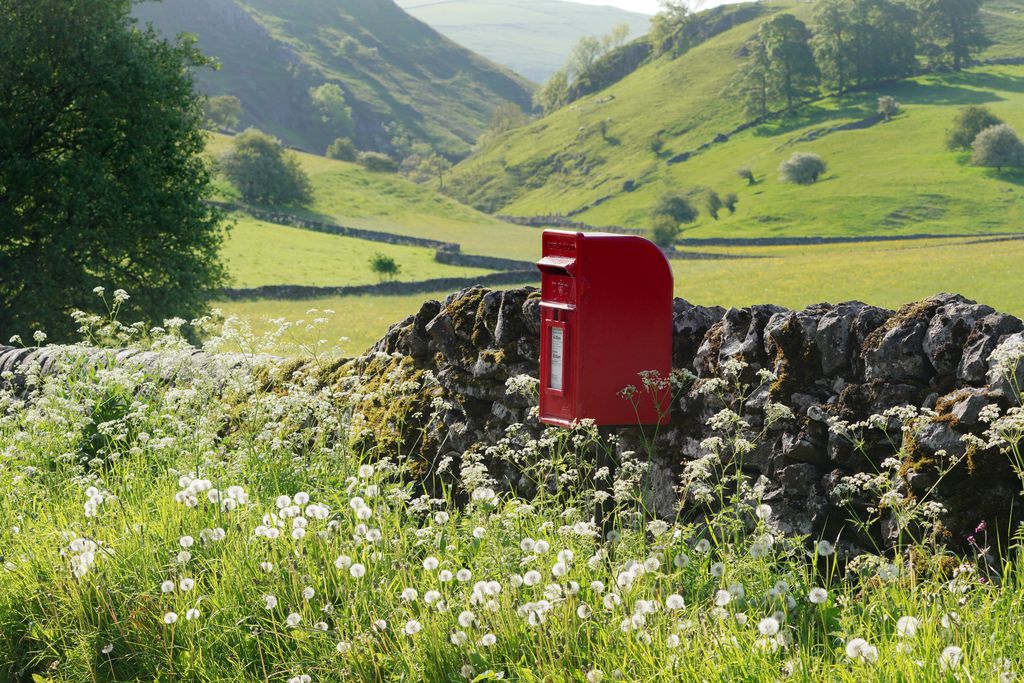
(645, 6)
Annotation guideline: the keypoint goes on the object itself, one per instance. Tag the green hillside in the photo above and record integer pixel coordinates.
(888, 178)
(392, 68)
(531, 37)
(348, 194)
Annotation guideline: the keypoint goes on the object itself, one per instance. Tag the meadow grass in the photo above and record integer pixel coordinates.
(348, 194)
(887, 274)
(259, 253)
(224, 529)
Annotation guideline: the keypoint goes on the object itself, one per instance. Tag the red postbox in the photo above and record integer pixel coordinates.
(606, 316)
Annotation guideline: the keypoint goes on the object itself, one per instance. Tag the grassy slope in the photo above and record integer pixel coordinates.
(392, 67)
(532, 37)
(259, 253)
(349, 194)
(886, 179)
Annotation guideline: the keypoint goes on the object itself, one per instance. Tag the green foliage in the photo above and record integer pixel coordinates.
(998, 147)
(713, 203)
(677, 207)
(101, 178)
(803, 168)
(968, 123)
(554, 93)
(507, 117)
(888, 107)
(377, 162)
(792, 71)
(668, 24)
(664, 231)
(329, 100)
(385, 267)
(342, 149)
(951, 31)
(260, 169)
(747, 174)
(224, 111)
(424, 165)
(730, 201)
(858, 42)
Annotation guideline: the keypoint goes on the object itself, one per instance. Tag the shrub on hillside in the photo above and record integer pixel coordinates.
(968, 123)
(747, 174)
(377, 162)
(677, 207)
(998, 147)
(260, 169)
(385, 267)
(224, 111)
(730, 202)
(803, 168)
(664, 231)
(713, 203)
(888, 107)
(342, 149)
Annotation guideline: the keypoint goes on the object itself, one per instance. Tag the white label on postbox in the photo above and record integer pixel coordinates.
(557, 353)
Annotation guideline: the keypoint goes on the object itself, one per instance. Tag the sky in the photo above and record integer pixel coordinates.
(645, 6)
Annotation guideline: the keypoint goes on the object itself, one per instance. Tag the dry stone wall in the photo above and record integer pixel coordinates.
(828, 362)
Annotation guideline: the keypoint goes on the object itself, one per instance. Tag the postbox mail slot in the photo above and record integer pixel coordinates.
(557, 265)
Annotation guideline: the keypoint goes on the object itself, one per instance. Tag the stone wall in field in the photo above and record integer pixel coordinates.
(845, 361)
(829, 362)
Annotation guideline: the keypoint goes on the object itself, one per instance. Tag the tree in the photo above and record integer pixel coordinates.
(791, 66)
(730, 201)
(102, 182)
(753, 80)
(329, 100)
(888, 107)
(424, 164)
(968, 123)
(713, 203)
(506, 117)
(998, 147)
(667, 24)
(262, 172)
(803, 168)
(669, 215)
(859, 42)
(377, 162)
(224, 111)
(951, 31)
(385, 267)
(616, 38)
(747, 174)
(677, 207)
(587, 51)
(342, 149)
(554, 94)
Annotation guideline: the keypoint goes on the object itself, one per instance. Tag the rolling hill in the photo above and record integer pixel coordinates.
(671, 125)
(392, 68)
(531, 37)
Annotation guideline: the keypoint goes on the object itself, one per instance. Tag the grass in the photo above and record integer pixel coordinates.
(221, 530)
(348, 194)
(354, 324)
(895, 178)
(883, 274)
(259, 253)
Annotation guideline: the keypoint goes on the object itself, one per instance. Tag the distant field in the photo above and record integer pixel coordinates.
(348, 194)
(259, 253)
(882, 274)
